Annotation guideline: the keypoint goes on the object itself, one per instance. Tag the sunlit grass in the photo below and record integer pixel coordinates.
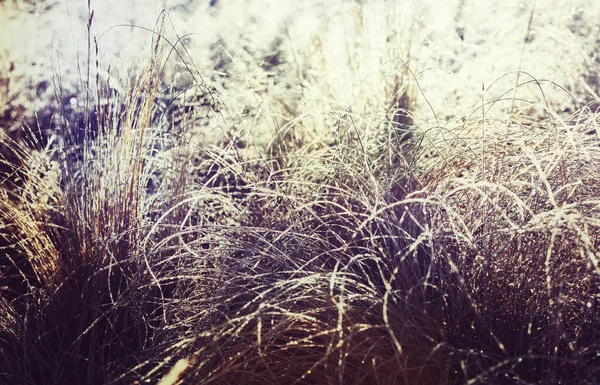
(350, 195)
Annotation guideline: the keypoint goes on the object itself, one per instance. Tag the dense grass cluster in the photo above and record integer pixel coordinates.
(387, 250)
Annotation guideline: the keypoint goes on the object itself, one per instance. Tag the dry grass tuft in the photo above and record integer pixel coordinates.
(391, 249)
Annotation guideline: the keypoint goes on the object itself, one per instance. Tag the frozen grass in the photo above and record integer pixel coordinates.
(219, 215)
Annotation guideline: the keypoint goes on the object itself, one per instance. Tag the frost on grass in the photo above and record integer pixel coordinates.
(335, 192)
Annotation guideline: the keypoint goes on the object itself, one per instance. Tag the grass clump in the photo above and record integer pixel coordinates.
(392, 248)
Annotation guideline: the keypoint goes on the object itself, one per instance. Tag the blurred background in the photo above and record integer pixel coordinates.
(294, 60)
